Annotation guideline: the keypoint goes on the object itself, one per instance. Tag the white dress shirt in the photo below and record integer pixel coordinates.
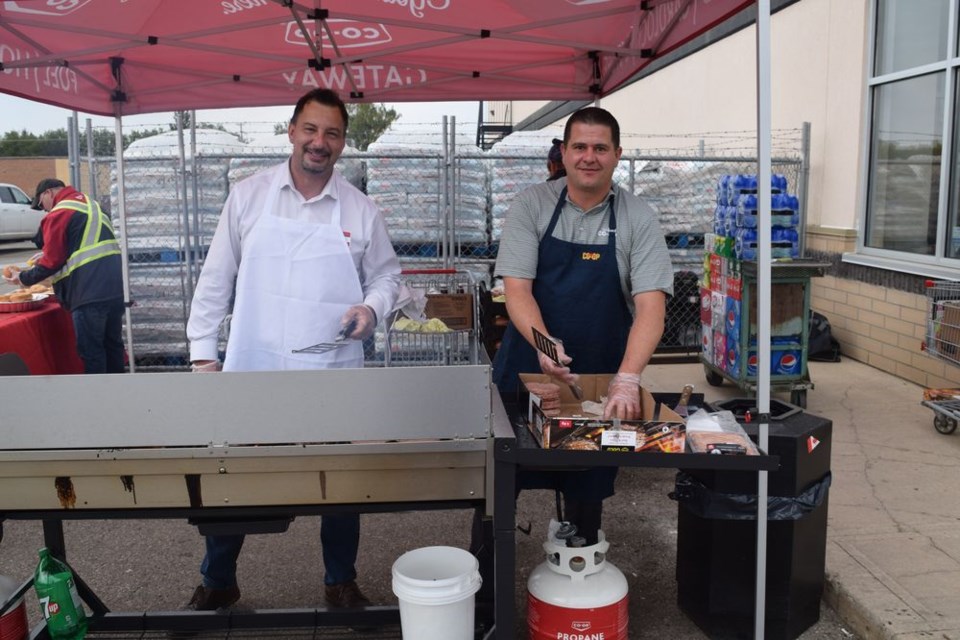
(363, 226)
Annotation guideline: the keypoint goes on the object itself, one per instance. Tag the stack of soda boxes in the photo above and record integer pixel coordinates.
(733, 242)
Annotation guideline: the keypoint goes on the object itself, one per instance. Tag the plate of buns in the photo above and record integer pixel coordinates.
(22, 300)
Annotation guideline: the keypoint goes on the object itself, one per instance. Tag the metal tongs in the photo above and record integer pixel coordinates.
(339, 341)
(547, 347)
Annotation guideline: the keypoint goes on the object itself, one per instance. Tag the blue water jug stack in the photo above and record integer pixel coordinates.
(736, 216)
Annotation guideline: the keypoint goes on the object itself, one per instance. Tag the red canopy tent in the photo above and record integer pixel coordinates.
(142, 56)
(123, 58)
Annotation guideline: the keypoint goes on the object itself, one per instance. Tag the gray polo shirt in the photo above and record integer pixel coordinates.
(642, 256)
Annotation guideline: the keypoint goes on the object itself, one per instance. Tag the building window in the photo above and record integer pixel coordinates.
(915, 104)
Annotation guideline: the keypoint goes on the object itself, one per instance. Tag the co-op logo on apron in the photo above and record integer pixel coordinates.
(48, 8)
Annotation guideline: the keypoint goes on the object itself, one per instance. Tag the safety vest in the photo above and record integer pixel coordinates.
(91, 247)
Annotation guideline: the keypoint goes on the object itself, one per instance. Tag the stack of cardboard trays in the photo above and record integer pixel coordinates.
(659, 428)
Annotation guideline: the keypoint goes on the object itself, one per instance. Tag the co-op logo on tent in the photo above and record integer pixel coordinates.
(48, 8)
(348, 34)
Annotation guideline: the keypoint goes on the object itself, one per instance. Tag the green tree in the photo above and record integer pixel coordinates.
(24, 143)
(18, 144)
(367, 122)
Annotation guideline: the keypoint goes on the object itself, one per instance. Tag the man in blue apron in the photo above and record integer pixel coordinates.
(585, 262)
(310, 255)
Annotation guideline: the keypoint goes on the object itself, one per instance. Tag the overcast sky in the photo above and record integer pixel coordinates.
(19, 114)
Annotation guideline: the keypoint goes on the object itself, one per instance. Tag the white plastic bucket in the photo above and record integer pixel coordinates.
(13, 623)
(436, 587)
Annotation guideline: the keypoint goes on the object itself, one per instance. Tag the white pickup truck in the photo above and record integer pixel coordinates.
(17, 220)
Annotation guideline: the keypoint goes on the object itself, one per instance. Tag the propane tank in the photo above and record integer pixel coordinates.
(576, 594)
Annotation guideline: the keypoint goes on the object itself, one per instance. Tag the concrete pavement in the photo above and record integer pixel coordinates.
(893, 548)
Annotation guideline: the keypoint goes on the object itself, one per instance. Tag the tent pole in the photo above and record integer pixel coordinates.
(124, 255)
(91, 163)
(444, 202)
(454, 251)
(764, 293)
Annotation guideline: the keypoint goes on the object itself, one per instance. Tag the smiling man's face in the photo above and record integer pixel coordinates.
(590, 158)
(318, 138)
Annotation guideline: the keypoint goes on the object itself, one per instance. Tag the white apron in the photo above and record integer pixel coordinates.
(295, 282)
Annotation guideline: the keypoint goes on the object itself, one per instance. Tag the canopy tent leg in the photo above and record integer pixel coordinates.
(124, 255)
(764, 108)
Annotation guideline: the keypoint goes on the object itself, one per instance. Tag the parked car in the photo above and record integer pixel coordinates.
(17, 220)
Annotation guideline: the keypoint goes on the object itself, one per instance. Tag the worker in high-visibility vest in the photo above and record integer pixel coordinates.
(80, 254)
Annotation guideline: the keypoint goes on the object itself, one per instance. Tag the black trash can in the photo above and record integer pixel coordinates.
(717, 534)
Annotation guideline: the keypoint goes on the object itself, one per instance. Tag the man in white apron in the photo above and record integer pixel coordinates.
(311, 256)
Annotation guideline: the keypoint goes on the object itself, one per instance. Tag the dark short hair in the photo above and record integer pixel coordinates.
(593, 115)
(323, 96)
(555, 154)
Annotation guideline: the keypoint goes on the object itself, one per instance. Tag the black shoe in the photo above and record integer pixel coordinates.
(208, 599)
(346, 595)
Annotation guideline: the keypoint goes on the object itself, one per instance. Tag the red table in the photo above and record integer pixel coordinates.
(43, 338)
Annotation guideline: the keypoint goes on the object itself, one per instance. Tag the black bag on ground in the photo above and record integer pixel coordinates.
(821, 346)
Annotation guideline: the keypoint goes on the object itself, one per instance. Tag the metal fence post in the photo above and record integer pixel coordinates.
(91, 176)
(804, 184)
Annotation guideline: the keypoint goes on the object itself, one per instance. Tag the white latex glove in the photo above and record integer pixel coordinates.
(623, 397)
(32, 260)
(365, 319)
(551, 368)
(205, 366)
(13, 279)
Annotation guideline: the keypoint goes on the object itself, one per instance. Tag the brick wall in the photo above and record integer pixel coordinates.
(878, 316)
(27, 172)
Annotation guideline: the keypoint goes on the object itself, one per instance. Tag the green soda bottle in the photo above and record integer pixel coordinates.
(60, 603)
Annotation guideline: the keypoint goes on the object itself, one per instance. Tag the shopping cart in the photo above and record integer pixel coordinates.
(457, 292)
(943, 341)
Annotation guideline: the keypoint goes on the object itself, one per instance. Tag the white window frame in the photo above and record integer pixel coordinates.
(937, 265)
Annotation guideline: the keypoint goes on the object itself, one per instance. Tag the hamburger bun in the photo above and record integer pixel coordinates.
(9, 270)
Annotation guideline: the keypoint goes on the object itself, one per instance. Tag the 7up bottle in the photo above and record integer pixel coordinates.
(59, 601)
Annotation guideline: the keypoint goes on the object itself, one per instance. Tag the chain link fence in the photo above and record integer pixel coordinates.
(444, 204)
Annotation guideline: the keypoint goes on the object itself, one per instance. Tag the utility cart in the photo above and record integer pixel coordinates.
(943, 342)
(451, 297)
(730, 327)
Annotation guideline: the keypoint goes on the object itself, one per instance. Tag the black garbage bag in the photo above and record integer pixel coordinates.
(706, 503)
(821, 345)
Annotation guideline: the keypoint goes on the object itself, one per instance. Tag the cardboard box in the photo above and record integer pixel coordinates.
(455, 309)
(660, 432)
(948, 328)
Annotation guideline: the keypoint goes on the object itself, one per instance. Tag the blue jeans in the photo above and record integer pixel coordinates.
(339, 538)
(99, 329)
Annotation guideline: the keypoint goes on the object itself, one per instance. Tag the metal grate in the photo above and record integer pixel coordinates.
(456, 347)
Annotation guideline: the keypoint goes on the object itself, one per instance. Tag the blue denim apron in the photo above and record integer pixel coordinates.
(577, 288)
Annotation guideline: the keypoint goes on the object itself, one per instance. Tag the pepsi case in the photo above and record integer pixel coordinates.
(752, 364)
(732, 363)
(733, 318)
(786, 363)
